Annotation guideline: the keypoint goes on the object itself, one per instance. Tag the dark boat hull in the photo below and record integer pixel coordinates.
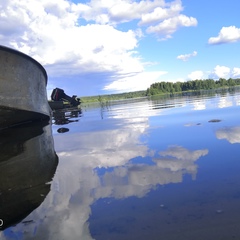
(27, 165)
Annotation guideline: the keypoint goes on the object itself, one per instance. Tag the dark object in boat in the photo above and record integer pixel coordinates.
(61, 100)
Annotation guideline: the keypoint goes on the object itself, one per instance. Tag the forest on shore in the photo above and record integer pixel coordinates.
(113, 97)
(194, 85)
(160, 88)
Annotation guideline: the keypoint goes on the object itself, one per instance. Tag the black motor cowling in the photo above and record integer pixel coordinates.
(58, 94)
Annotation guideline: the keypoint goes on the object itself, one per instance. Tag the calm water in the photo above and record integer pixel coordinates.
(164, 169)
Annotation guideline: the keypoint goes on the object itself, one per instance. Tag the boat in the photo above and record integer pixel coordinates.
(23, 95)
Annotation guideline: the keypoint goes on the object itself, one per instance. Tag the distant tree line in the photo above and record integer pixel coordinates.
(113, 97)
(194, 85)
(166, 87)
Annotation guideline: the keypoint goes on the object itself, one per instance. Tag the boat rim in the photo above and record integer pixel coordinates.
(8, 49)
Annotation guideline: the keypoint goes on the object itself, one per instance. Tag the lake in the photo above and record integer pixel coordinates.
(162, 168)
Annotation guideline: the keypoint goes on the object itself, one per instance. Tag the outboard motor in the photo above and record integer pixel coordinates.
(58, 94)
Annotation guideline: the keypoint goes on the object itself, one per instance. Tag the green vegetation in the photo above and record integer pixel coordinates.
(161, 88)
(195, 85)
(113, 97)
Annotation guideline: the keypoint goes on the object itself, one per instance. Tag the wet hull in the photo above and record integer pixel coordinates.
(23, 95)
(27, 165)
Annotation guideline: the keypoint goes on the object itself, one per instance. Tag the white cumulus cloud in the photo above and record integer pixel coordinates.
(196, 75)
(161, 12)
(50, 33)
(140, 81)
(83, 39)
(185, 57)
(220, 72)
(170, 25)
(236, 72)
(226, 35)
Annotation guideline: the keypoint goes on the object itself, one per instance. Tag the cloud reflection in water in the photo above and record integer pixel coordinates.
(98, 162)
(78, 184)
(231, 134)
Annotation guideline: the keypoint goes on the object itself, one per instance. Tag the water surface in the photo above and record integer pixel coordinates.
(166, 168)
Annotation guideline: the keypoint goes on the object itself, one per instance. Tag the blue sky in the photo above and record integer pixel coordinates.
(109, 46)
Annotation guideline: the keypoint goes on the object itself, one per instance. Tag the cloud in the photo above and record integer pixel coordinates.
(111, 147)
(231, 134)
(120, 11)
(141, 178)
(76, 187)
(115, 12)
(167, 27)
(196, 75)
(84, 40)
(224, 72)
(140, 81)
(161, 13)
(72, 48)
(235, 72)
(181, 153)
(226, 35)
(185, 57)
(165, 19)
(91, 48)
(179, 159)
(220, 72)
(34, 27)
(225, 102)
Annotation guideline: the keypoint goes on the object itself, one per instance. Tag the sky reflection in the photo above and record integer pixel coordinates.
(231, 134)
(130, 152)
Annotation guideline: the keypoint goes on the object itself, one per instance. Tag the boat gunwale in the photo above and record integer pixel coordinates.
(11, 50)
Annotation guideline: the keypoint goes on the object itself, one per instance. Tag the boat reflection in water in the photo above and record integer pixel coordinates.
(27, 165)
(65, 116)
